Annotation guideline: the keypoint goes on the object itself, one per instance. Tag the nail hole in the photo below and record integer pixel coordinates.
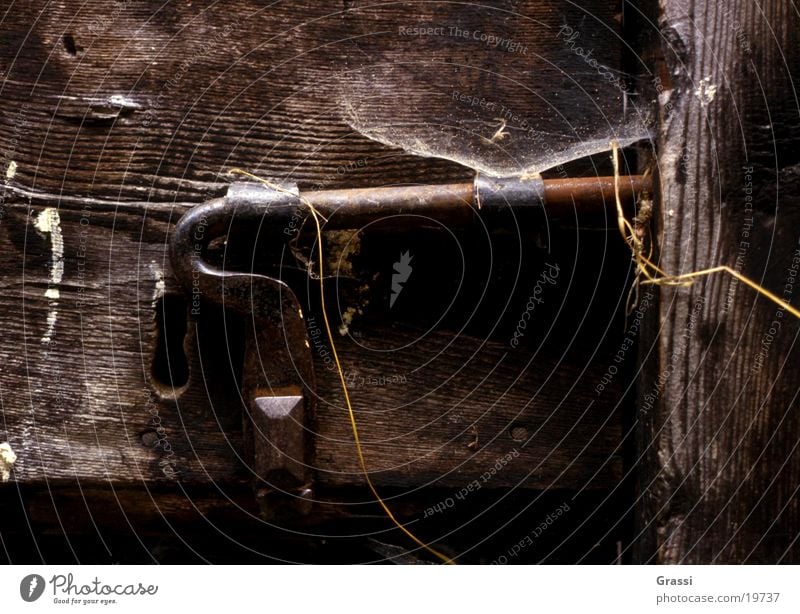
(170, 367)
(69, 44)
(149, 439)
(519, 432)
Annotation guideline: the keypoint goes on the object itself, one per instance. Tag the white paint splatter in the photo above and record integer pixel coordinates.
(11, 170)
(7, 460)
(49, 222)
(52, 318)
(705, 92)
(161, 287)
(119, 100)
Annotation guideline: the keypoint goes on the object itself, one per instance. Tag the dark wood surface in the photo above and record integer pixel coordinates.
(121, 115)
(81, 399)
(719, 399)
(156, 101)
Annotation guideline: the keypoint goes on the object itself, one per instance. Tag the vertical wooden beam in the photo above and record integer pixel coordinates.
(719, 399)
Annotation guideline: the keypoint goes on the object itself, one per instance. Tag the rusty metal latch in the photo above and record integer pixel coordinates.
(278, 376)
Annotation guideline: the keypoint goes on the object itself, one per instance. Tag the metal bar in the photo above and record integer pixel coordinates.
(454, 203)
(450, 203)
(591, 194)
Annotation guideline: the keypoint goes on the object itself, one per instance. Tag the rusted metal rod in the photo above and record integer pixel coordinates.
(455, 203)
(449, 203)
(593, 193)
(590, 200)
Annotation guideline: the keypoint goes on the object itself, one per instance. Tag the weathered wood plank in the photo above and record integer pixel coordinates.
(81, 400)
(146, 100)
(720, 405)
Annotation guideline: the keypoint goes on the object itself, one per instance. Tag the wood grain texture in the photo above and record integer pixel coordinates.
(720, 399)
(456, 416)
(156, 101)
(81, 401)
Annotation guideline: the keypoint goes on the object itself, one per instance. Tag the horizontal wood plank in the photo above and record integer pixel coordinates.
(80, 399)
